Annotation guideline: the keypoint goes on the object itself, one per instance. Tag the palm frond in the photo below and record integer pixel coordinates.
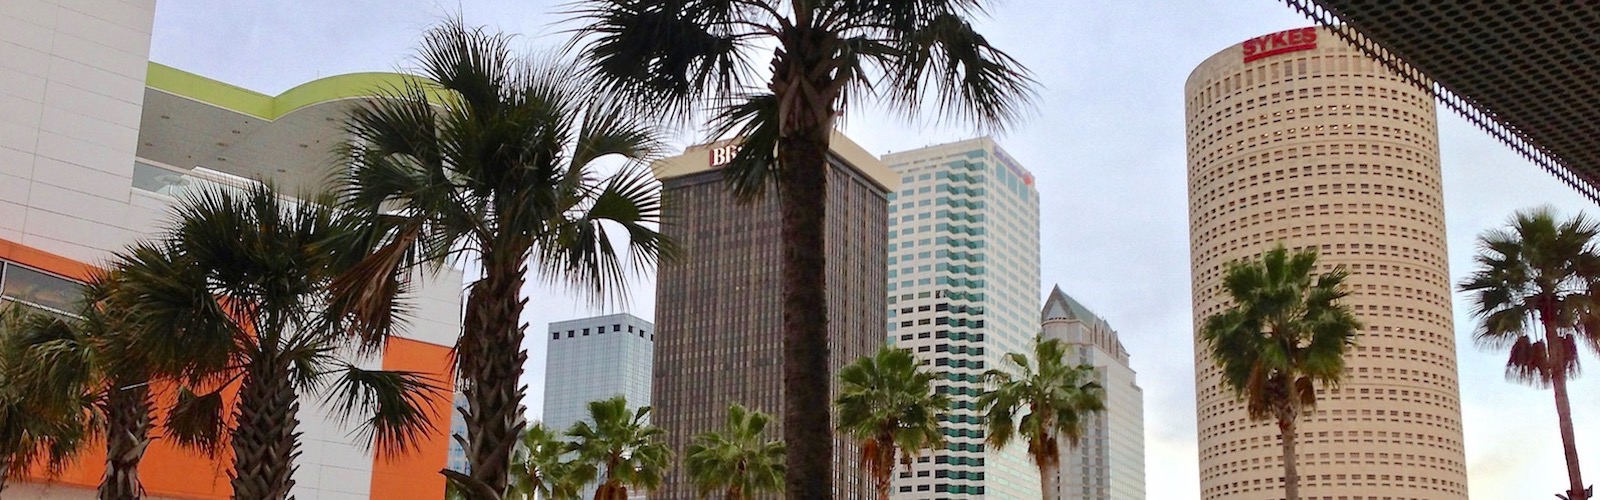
(396, 408)
(197, 421)
(753, 121)
(943, 60)
(669, 54)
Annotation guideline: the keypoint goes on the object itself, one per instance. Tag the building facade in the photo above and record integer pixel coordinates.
(593, 359)
(1297, 138)
(1108, 461)
(963, 285)
(97, 143)
(719, 312)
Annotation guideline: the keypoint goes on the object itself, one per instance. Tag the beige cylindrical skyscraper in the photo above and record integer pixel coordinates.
(1298, 138)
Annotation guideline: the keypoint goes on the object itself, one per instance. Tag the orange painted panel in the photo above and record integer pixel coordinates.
(33, 257)
(166, 469)
(416, 475)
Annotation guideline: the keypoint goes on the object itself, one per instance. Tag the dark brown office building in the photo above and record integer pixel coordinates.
(718, 308)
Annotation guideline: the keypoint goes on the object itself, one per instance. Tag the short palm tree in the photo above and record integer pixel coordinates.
(498, 161)
(89, 357)
(739, 460)
(1285, 332)
(1042, 398)
(1534, 293)
(35, 428)
(824, 57)
(621, 447)
(888, 404)
(234, 297)
(537, 470)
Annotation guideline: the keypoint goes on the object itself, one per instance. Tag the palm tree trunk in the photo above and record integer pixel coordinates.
(264, 441)
(883, 466)
(806, 422)
(127, 436)
(1291, 477)
(491, 360)
(1048, 487)
(1564, 414)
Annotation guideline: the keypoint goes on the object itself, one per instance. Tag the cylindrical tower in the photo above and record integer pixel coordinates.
(1296, 137)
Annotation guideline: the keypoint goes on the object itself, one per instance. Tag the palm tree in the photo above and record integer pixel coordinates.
(537, 470)
(888, 404)
(496, 161)
(739, 460)
(1285, 332)
(70, 359)
(35, 428)
(1053, 399)
(622, 447)
(826, 56)
(234, 297)
(1535, 293)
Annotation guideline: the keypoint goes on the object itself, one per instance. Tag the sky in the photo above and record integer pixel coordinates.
(1105, 143)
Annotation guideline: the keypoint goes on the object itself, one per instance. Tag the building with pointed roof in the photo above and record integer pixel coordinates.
(1108, 462)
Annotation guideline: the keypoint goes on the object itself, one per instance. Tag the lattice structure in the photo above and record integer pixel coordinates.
(1526, 72)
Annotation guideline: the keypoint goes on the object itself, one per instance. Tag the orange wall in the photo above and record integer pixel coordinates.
(166, 470)
(416, 475)
(169, 471)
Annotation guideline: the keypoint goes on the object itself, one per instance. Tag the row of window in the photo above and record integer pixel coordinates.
(600, 330)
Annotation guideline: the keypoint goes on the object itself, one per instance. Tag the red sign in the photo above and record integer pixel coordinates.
(723, 155)
(1282, 42)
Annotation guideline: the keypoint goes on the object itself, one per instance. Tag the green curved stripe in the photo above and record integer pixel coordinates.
(232, 97)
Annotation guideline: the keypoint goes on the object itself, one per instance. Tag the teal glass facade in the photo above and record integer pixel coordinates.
(963, 290)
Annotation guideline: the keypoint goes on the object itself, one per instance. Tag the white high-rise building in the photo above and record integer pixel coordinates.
(592, 359)
(1108, 462)
(963, 288)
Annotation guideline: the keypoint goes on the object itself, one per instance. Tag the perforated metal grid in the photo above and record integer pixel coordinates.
(1526, 72)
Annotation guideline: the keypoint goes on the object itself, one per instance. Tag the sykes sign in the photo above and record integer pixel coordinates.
(1281, 42)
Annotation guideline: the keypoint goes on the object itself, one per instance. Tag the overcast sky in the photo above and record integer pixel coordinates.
(1106, 145)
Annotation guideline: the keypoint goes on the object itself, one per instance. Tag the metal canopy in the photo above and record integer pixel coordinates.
(1526, 72)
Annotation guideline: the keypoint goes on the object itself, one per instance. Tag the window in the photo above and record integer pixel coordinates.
(26, 285)
(586, 332)
(616, 328)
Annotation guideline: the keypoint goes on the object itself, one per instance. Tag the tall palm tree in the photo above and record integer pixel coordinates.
(739, 460)
(497, 161)
(1534, 292)
(1285, 332)
(35, 428)
(888, 404)
(88, 356)
(1052, 398)
(825, 56)
(621, 447)
(234, 297)
(537, 470)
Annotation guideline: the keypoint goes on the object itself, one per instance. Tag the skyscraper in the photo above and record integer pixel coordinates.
(593, 359)
(1298, 138)
(1108, 462)
(719, 307)
(963, 287)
